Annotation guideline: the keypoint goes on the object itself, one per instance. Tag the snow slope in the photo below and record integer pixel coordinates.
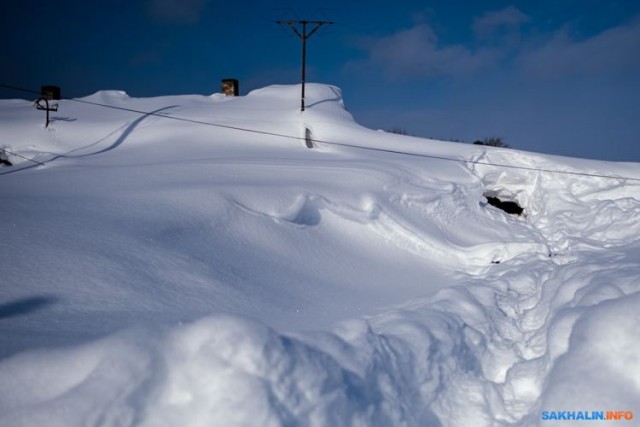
(206, 268)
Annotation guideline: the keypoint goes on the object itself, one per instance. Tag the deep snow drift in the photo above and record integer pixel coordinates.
(187, 260)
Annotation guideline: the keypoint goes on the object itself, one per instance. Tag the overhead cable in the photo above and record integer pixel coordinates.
(342, 144)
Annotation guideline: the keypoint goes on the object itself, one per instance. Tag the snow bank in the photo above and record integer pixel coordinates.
(212, 270)
(219, 370)
(454, 360)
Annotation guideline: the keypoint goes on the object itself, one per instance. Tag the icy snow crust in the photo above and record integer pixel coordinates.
(167, 273)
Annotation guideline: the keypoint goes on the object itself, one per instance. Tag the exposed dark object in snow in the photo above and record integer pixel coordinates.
(50, 92)
(4, 160)
(230, 87)
(308, 137)
(509, 207)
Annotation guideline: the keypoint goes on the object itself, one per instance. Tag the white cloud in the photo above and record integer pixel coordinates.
(416, 52)
(505, 21)
(177, 11)
(608, 53)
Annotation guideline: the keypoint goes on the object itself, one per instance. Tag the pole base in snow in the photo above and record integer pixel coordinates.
(308, 137)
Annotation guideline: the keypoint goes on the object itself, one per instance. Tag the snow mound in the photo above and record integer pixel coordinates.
(107, 96)
(187, 260)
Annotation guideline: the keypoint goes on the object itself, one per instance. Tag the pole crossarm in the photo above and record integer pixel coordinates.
(304, 36)
(304, 23)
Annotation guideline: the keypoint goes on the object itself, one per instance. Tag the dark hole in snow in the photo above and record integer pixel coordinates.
(4, 160)
(509, 207)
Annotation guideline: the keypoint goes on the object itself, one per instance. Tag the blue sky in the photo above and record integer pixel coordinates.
(552, 76)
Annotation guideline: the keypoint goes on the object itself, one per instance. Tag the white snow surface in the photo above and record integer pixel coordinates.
(162, 272)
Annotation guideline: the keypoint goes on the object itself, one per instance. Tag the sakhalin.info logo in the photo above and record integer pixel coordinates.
(587, 415)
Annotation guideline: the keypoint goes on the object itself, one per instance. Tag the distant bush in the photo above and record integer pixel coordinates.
(492, 142)
(398, 130)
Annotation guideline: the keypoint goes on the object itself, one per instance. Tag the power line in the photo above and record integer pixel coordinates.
(478, 162)
(341, 144)
(147, 113)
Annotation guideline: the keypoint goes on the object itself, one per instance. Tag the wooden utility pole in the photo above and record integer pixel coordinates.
(304, 35)
(46, 107)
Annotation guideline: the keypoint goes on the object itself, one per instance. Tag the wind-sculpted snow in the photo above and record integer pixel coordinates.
(162, 272)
